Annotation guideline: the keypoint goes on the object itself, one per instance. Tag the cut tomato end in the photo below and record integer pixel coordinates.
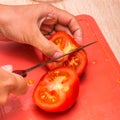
(66, 43)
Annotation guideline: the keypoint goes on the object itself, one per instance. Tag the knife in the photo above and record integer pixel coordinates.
(24, 72)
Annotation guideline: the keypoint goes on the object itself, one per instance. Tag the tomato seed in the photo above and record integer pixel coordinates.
(30, 82)
(43, 96)
(53, 100)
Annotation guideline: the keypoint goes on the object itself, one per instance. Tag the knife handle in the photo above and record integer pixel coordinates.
(20, 72)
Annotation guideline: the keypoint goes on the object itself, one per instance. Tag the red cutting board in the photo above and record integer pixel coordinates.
(99, 96)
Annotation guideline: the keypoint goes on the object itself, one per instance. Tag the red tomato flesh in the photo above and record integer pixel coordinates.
(57, 90)
(77, 61)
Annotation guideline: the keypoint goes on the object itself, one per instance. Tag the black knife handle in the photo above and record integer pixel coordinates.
(20, 72)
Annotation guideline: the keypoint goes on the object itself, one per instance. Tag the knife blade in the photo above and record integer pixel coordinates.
(24, 72)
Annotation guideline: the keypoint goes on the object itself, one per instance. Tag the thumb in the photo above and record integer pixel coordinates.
(20, 86)
(47, 47)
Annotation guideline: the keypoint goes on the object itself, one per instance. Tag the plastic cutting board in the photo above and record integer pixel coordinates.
(99, 96)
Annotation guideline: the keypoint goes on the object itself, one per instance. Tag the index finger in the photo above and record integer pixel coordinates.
(70, 21)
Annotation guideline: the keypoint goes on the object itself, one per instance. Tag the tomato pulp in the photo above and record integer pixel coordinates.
(66, 43)
(57, 90)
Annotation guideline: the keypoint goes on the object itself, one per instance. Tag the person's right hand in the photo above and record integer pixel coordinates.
(10, 83)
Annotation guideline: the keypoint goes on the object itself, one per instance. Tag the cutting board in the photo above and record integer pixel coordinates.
(99, 96)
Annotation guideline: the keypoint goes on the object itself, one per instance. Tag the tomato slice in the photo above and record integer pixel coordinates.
(57, 90)
(77, 60)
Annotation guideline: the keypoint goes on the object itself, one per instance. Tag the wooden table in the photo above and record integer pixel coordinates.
(105, 12)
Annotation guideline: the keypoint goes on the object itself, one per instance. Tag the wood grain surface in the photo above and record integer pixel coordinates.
(105, 12)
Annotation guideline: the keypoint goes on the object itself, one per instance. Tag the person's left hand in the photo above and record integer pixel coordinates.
(31, 24)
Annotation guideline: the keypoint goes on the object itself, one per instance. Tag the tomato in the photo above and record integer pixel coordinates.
(66, 43)
(57, 90)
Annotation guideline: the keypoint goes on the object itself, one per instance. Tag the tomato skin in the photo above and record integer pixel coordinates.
(77, 60)
(65, 89)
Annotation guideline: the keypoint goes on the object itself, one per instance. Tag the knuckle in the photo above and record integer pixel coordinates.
(10, 83)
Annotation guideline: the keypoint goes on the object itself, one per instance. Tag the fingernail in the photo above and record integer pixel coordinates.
(8, 68)
(57, 54)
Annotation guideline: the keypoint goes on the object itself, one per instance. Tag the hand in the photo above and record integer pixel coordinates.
(32, 24)
(10, 83)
